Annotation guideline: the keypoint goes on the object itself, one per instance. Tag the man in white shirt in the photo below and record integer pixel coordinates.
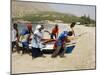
(15, 37)
(37, 42)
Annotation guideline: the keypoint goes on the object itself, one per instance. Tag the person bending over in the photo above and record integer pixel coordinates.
(60, 43)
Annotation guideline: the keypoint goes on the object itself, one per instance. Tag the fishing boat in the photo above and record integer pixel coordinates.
(49, 47)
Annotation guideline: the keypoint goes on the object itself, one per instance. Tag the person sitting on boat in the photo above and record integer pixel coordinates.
(25, 37)
(55, 32)
(60, 43)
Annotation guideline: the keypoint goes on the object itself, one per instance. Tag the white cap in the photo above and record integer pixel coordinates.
(38, 27)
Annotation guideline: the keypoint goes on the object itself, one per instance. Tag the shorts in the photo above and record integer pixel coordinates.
(53, 35)
(13, 44)
(25, 44)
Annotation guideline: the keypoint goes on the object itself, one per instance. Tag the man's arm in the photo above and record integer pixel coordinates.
(47, 32)
(73, 32)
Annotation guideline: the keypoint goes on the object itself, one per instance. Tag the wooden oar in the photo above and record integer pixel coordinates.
(48, 40)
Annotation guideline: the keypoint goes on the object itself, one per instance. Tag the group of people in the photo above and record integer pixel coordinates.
(27, 37)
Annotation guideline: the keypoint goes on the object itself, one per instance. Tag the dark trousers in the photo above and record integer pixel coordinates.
(53, 35)
(14, 43)
(36, 52)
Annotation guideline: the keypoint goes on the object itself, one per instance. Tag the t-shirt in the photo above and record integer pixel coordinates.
(24, 35)
(55, 30)
(60, 40)
(14, 33)
(36, 40)
(39, 35)
(63, 35)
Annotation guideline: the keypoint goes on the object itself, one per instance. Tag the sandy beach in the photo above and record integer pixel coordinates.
(82, 57)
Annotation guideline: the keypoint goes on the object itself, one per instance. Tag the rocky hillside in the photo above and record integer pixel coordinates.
(36, 12)
(22, 8)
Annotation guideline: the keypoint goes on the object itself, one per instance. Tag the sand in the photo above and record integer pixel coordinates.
(82, 57)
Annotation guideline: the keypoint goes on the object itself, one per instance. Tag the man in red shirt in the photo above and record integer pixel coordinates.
(54, 32)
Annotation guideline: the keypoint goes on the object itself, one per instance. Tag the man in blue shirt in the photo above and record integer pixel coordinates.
(60, 43)
(25, 38)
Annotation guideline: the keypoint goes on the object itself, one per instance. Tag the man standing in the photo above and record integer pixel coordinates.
(54, 32)
(15, 37)
(37, 42)
(25, 35)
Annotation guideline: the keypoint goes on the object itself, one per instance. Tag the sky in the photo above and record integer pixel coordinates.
(78, 10)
